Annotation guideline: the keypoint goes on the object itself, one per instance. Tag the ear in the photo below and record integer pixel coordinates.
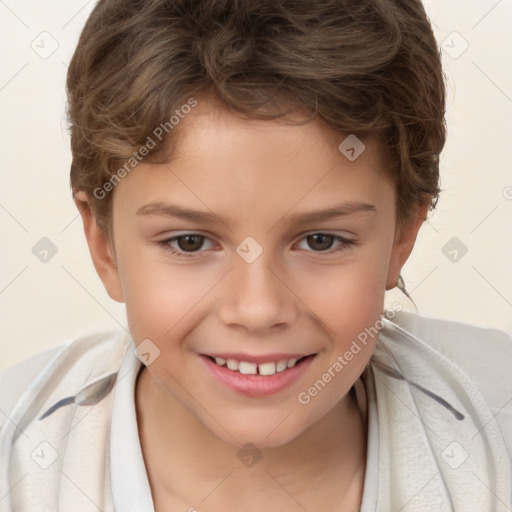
(403, 246)
(100, 248)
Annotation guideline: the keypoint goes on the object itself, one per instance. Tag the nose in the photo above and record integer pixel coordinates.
(257, 297)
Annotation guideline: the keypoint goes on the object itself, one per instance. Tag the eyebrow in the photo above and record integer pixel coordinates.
(176, 211)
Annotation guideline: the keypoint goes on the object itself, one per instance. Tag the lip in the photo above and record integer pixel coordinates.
(257, 385)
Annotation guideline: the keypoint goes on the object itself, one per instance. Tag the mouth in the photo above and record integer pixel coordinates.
(260, 377)
(267, 368)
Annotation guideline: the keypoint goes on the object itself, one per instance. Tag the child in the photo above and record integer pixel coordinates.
(215, 144)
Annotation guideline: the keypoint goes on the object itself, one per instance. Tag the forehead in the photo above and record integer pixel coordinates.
(221, 161)
(211, 127)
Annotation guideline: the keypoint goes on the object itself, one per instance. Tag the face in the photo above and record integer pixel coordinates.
(258, 275)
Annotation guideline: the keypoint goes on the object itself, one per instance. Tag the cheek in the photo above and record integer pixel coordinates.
(159, 295)
(348, 302)
(347, 296)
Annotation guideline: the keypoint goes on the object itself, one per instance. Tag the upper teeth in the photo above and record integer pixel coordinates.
(246, 368)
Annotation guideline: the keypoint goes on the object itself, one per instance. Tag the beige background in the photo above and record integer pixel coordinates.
(43, 304)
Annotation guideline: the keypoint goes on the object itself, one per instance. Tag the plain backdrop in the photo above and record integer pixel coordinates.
(460, 268)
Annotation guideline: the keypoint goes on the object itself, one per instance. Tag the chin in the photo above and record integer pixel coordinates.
(252, 434)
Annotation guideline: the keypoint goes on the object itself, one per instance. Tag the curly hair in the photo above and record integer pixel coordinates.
(365, 67)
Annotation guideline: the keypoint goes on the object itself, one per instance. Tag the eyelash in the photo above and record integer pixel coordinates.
(344, 246)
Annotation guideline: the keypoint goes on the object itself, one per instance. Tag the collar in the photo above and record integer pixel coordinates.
(130, 485)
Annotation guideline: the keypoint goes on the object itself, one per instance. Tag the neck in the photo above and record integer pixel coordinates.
(324, 464)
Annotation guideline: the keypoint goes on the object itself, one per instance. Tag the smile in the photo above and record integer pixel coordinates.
(263, 376)
(248, 368)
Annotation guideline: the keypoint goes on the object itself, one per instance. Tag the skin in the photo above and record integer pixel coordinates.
(295, 297)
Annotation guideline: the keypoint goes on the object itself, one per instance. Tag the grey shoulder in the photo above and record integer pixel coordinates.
(483, 353)
(16, 380)
(473, 347)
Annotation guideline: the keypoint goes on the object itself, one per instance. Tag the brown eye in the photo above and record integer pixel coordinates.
(189, 243)
(320, 242)
(325, 244)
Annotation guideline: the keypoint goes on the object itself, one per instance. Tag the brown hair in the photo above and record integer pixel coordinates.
(367, 67)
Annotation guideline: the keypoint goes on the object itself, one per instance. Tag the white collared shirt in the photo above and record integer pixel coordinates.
(439, 416)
